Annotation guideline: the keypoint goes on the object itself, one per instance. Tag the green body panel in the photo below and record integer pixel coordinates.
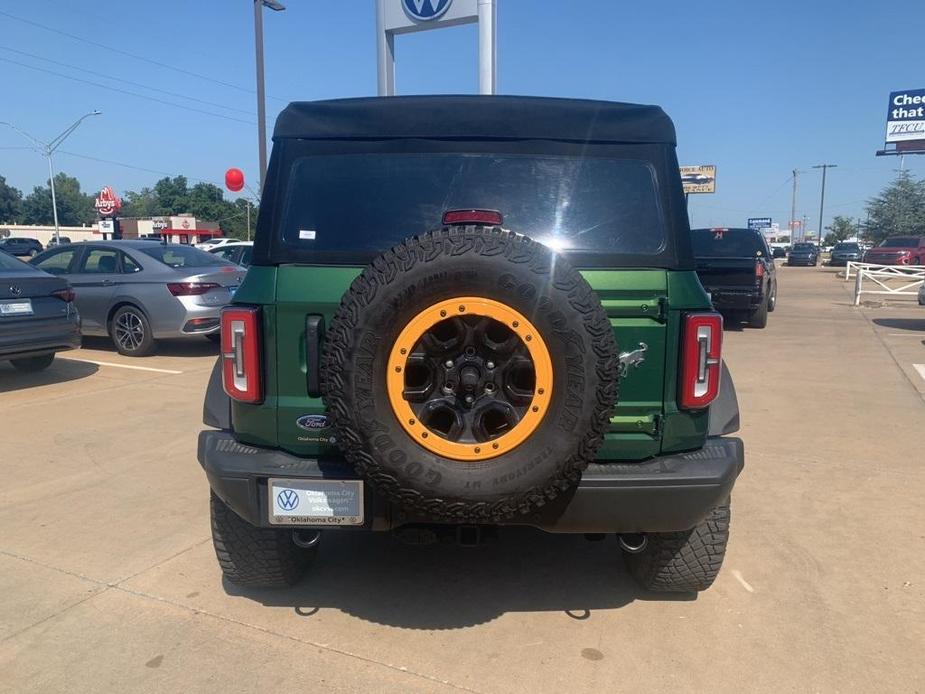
(643, 306)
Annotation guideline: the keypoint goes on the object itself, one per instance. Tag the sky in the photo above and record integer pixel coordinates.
(758, 89)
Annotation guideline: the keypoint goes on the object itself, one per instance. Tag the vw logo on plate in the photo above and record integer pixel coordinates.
(287, 499)
(426, 10)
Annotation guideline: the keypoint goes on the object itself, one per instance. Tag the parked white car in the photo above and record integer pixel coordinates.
(217, 242)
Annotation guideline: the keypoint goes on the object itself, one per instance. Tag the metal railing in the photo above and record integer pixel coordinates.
(878, 276)
(855, 265)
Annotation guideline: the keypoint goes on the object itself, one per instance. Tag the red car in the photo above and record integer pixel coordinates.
(898, 250)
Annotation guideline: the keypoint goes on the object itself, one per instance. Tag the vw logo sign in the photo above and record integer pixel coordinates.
(425, 10)
(15, 291)
(287, 499)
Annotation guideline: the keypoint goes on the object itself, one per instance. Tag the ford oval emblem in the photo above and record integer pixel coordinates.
(311, 422)
(425, 10)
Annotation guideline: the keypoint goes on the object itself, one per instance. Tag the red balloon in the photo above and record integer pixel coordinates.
(234, 180)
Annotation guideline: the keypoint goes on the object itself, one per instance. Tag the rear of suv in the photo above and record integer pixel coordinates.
(427, 340)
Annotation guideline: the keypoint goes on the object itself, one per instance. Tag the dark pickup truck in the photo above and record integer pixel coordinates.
(737, 269)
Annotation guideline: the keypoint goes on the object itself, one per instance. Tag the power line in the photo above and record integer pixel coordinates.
(125, 81)
(125, 91)
(134, 56)
(137, 168)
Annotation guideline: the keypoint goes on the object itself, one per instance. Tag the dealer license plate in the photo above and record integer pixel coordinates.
(19, 307)
(315, 502)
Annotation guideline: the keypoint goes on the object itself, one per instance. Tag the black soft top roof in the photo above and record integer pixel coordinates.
(475, 117)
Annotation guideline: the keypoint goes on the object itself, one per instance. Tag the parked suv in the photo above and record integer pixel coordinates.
(898, 250)
(426, 341)
(20, 246)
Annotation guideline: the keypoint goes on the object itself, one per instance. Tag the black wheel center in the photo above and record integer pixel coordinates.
(469, 379)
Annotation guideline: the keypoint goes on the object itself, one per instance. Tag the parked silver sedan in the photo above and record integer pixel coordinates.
(138, 292)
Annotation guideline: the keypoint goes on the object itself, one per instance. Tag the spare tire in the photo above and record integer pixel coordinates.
(470, 374)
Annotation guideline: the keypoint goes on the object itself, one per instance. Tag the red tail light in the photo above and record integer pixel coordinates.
(190, 288)
(241, 373)
(759, 269)
(66, 295)
(492, 217)
(701, 354)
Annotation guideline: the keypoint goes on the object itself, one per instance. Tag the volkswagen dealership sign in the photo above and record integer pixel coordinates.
(426, 10)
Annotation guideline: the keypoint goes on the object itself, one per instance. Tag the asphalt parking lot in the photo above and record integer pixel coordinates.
(110, 582)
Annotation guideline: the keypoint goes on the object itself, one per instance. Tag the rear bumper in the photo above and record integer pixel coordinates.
(34, 338)
(664, 494)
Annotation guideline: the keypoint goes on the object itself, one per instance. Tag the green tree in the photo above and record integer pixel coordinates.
(841, 228)
(171, 195)
(74, 207)
(10, 202)
(140, 204)
(898, 210)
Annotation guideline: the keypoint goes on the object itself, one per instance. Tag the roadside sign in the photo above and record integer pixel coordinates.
(698, 179)
(905, 116)
(759, 223)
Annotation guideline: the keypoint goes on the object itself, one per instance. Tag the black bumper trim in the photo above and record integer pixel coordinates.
(663, 494)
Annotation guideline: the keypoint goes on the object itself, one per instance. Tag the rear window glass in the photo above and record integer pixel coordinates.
(369, 202)
(182, 256)
(725, 243)
(804, 247)
(900, 242)
(846, 247)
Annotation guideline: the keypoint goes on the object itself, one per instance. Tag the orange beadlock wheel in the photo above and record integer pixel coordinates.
(469, 378)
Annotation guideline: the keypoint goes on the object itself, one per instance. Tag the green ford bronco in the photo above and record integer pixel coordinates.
(468, 312)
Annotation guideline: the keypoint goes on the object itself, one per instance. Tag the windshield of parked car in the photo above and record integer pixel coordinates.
(369, 202)
(846, 247)
(182, 256)
(10, 264)
(726, 243)
(804, 247)
(900, 242)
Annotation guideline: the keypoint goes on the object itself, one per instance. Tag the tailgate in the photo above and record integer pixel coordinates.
(733, 273)
(635, 300)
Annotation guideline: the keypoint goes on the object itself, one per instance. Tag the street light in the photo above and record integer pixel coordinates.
(48, 149)
(824, 167)
(261, 96)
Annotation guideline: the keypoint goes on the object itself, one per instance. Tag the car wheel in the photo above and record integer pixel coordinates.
(131, 332)
(33, 364)
(215, 337)
(683, 562)
(470, 376)
(772, 300)
(916, 261)
(33, 253)
(252, 556)
(759, 317)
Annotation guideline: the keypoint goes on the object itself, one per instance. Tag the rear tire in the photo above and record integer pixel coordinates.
(131, 332)
(759, 317)
(252, 556)
(686, 561)
(215, 338)
(33, 364)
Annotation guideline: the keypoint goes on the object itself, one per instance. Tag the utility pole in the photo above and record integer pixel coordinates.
(793, 206)
(824, 167)
(261, 95)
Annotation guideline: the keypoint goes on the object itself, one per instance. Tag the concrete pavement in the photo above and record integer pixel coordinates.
(110, 582)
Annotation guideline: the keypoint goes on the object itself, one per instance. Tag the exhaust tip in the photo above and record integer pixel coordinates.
(306, 539)
(633, 543)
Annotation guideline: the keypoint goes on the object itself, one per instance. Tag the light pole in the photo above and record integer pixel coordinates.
(261, 95)
(48, 149)
(824, 168)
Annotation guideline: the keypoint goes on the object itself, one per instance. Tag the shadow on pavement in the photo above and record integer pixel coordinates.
(61, 371)
(374, 577)
(914, 324)
(191, 347)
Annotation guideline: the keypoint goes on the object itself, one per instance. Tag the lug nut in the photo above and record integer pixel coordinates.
(469, 399)
(490, 365)
(448, 363)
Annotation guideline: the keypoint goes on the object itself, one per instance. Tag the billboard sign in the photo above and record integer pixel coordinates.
(107, 203)
(698, 179)
(759, 223)
(905, 116)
